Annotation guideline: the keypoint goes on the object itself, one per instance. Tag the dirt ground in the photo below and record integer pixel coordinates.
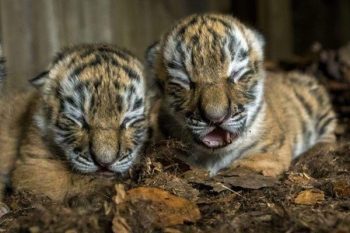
(165, 195)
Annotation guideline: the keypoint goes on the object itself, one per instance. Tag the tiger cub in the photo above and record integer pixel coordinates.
(87, 116)
(219, 101)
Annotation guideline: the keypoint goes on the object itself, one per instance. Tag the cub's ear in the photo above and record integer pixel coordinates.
(40, 79)
(258, 41)
(152, 54)
(260, 38)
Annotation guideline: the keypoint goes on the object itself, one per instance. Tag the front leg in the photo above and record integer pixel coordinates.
(53, 179)
(269, 164)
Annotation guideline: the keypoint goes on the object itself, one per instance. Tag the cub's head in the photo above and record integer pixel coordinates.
(209, 68)
(93, 107)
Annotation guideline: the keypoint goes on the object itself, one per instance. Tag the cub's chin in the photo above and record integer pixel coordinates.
(216, 139)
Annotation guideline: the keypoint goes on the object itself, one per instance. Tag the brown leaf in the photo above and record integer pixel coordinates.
(245, 178)
(167, 209)
(309, 197)
(238, 177)
(148, 208)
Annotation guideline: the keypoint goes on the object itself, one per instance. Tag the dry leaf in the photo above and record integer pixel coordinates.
(309, 197)
(245, 178)
(238, 177)
(154, 208)
(167, 209)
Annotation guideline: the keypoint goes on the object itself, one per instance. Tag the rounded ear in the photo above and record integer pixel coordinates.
(260, 38)
(40, 79)
(258, 41)
(151, 54)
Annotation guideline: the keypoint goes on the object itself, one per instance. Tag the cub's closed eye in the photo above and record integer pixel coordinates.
(129, 121)
(239, 74)
(76, 120)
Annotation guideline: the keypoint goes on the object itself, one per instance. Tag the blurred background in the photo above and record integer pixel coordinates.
(31, 31)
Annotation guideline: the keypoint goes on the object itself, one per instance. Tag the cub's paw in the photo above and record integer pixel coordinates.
(263, 164)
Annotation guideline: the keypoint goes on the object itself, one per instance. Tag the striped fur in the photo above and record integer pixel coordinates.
(218, 99)
(89, 115)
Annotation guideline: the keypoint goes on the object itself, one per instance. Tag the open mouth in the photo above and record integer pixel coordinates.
(218, 138)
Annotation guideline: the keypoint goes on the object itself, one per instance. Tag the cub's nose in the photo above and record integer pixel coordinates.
(104, 159)
(104, 147)
(214, 105)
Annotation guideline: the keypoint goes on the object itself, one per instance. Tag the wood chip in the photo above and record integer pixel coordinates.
(309, 197)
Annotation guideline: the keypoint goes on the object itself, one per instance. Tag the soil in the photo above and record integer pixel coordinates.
(164, 195)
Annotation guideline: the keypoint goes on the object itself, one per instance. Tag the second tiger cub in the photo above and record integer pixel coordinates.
(219, 101)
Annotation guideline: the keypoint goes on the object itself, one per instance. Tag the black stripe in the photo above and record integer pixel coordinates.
(322, 117)
(120, 53)
(77, 71)
(119, 100)
(70, 101)
(242, 54)
(69, 140)
(324, 125)
(141, 119)
(174, 65)
(87, 52)
(255, 114)
(215, 35)
(181, 31)
(307, 106)
(138, 103)
(185, 81)
(232, 45)
(131, 73)
(223, 22)
(195, 40)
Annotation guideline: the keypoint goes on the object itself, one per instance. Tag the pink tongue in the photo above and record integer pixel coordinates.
(216, 138)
